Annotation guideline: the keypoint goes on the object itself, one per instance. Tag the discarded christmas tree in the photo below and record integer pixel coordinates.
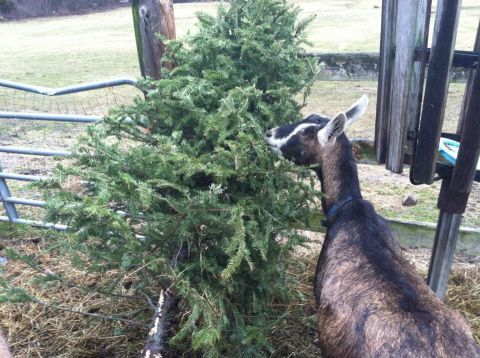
(189, 197)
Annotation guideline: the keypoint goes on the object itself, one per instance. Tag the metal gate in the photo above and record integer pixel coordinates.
(9, 200)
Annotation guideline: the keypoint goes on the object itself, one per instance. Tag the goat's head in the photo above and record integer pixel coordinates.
(305, 141)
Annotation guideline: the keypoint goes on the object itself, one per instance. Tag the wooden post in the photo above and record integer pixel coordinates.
(406, 80)
(404, 28)
(426, 153)
(152, 18)
(387, 55)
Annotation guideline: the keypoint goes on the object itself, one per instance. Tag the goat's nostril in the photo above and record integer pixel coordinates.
(269, 133)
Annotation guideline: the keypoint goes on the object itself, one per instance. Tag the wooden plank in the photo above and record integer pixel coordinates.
(468, 87)
(152, 18)
(426, 152)
(387, 55)
(406, 79)
(417, 79)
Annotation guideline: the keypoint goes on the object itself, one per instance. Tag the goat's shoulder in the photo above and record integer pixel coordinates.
(361, 262)
(359, 224)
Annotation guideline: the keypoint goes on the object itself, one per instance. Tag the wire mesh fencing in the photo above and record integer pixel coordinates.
(39, 123)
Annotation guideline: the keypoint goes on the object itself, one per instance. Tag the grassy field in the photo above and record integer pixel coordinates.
(65, 50)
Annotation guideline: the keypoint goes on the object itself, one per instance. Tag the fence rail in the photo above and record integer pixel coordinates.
(47, 91)
(9, 201)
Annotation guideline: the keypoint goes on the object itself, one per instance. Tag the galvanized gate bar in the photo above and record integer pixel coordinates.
(443, 250)
(5, 193)
(22, 177)
(41, 152)
(50, 117)
(22, 201)
(58, 227)
(468, 87)
(46, 91)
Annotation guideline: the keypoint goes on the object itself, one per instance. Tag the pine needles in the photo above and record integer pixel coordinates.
(194, 172)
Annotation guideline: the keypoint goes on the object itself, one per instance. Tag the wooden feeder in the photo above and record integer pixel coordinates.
(408, 129)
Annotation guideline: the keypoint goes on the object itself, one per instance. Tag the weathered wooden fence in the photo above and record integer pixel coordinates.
(409, 123)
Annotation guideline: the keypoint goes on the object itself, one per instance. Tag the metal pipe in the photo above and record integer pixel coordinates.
(443, 252)
(436, 90)
(41, 224)
(10, 208)
(28, 151)
(469, 151)
(22, 177)
(22, 201)
(50, 117)
(46, 91)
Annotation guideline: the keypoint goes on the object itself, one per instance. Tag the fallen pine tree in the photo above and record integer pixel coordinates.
(193, 172)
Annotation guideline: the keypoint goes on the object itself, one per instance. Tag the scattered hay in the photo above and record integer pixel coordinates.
(37, 330)
(34, 330)
(464, 294)
(297, 335)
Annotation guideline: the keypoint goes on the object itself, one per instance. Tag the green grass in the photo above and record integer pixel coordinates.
(330, 97)
(66, 50)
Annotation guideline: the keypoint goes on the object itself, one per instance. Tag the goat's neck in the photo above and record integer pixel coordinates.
(338, 173)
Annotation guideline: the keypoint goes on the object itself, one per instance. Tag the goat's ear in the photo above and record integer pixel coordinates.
(356, 110)
(333, 129)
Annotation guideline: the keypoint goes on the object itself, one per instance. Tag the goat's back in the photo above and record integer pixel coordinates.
(372, 302)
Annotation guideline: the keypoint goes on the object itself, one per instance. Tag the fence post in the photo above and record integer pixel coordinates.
(152, 18)
(387, 56)
(406, 78)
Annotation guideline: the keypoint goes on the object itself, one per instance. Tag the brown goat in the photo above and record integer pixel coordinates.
(371, 302)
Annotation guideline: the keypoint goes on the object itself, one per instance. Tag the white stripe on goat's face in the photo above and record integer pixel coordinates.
(302, 142)
(278, 142)
(296, 141)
